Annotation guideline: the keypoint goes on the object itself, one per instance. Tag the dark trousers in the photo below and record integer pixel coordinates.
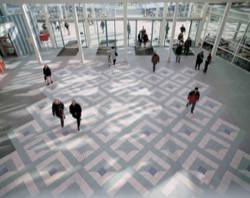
(62, 121)
(197, 65)
(154, 67)
(114, 61)
(186, 51)
(205, 68)
(178, 58)
(192, 107)
(78, 119)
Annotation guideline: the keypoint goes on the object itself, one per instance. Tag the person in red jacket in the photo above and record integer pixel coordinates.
(193, 97)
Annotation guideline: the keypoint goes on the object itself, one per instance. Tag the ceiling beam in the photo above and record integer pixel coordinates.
(112, 1)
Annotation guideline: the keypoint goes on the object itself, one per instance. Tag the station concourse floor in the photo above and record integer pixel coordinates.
(137, 138)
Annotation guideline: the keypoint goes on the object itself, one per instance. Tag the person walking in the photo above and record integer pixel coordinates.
(199, 60)
(187, 45)
(155, 59)
(166, 31)
(58, 110)
(208, 61)
(47, 75)
(178, 53)
(76, 112)
(193, 97)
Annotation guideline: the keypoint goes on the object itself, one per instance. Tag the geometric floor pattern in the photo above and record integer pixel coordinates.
(137, 139)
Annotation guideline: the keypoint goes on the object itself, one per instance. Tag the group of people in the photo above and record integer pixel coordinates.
(142, 37)
(74, 109)
(199, 61)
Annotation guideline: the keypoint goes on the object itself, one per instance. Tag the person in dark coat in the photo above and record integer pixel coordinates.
(47, 74)
(178, 53)
(199, 60)
(145, 39)
(102, 26)
(58, 110)
(155, 59)
(66, 25)
(76, 112)
(181, 38)
(183, 29)
(187, 45)
(208, 61)
(193, 97)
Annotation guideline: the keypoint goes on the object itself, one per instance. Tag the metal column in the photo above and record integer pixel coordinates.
(221, 28)
(49, 26)
(32, 36)
(201, 24)
(163, 26)
(86, 25)
(173, 32)
(125, 30)
(78, 35)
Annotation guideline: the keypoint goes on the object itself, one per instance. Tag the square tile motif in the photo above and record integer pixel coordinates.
(186, 129)
(53, 168)
(170, 86)
(225, 129)
(210, 104)
(180, 78)
(176, 104)
(171, 147)
(201, 167)
(214, 146)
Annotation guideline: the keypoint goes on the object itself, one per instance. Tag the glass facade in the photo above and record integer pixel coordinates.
(102, 25)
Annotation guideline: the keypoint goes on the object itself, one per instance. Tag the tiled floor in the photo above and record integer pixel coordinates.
(137, 137)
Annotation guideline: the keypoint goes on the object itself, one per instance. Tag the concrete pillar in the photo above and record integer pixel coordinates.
(163, 26)
(49, 26)
(201, 24)
(205, 29)
(125, 31)
(173, 31)
(86, 25)
(221, 27)
(32, 36)
(78, 35)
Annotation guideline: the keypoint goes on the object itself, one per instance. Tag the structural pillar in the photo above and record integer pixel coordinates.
(78, 35)
(125, 30)
(32, 36)
(49, 26)
(221, 28)
(86, 25)
(173, 32)
(237, 30)
(240, 42)
(163, 26)
(201, 24)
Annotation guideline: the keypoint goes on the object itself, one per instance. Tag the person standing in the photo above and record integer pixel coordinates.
(76, 112)
(128, 29)
(183, 29)
(199, 60)
(187, 45)
(193, 97)
(208, 61)
(47, 75)
(66, 25)
(167, 29)
(155, 59)
(113, 55)
(58, 110)
(102, 26)
(178, 53)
